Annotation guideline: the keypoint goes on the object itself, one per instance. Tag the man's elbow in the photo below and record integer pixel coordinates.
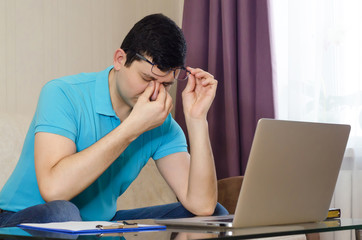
(49, 197)
(50, 194)
(204, 210)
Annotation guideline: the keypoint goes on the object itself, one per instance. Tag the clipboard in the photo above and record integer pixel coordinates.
(91, 227)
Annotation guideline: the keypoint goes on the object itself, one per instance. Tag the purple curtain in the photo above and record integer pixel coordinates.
(230, 39)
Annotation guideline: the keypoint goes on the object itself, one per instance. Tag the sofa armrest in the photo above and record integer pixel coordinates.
(228, 192)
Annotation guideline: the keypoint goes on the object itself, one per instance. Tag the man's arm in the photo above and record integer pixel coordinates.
(193, 177)
(62, 173)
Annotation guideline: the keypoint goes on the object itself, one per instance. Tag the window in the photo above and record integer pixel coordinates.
(317, 64)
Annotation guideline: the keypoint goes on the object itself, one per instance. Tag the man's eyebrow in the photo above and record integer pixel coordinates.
(149, 76)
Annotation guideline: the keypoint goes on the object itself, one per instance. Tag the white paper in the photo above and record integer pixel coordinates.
(70, 226)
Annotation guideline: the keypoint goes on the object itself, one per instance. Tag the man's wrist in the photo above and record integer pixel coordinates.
(195, 125)
(128, 131)
(196, 119)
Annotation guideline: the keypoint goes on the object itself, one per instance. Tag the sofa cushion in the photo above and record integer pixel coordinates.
(148, 189)
(13, 128)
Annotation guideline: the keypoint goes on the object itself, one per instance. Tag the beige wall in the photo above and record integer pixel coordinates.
(44, 39)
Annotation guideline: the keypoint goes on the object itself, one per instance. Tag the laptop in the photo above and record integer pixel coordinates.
(290, 176)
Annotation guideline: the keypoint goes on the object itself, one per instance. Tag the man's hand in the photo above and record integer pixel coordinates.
(148, 113)
(198, 94)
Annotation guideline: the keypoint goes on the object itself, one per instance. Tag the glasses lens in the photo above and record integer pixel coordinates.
(181, 74)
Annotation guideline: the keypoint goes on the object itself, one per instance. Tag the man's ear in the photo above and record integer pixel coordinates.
(119, 58)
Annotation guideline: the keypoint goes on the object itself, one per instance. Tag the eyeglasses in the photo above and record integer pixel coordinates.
(179, 73)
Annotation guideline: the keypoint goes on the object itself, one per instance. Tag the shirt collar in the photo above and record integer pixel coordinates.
(103, 101)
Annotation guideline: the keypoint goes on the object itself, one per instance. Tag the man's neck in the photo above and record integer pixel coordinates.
(119, 106)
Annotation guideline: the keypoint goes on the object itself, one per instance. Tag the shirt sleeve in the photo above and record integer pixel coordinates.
(173, 139)
(55, 113)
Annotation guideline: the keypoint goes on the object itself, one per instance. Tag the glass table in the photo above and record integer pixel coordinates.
(178, 233)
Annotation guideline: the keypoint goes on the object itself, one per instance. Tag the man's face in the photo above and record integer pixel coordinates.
(132, 81)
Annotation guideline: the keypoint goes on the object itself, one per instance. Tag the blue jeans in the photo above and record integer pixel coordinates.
(56, 211)
(172, 210)
(61, 211)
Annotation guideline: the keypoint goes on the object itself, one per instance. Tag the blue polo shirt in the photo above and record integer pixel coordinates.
(79, 107)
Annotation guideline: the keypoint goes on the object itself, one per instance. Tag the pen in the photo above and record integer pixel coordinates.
(119, 225)
(128, 225)
(112, 226)
(114, 234)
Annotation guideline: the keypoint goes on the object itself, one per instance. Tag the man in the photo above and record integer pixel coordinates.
(93, 132)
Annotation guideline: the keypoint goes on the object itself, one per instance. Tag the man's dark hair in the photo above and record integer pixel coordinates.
(158, 37)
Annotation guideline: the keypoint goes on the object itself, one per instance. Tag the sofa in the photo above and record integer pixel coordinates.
(147, 190)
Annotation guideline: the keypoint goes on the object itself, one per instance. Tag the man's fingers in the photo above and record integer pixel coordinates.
(191, 83)
(165, 99)
(201, 75)
(209, 81)
(162, 92)
(155, 91)
(148, 91)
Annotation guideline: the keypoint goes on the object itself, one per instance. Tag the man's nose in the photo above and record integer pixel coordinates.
(155, 92)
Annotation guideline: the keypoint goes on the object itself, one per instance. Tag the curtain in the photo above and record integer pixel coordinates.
(230, 39)
(317, 68)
